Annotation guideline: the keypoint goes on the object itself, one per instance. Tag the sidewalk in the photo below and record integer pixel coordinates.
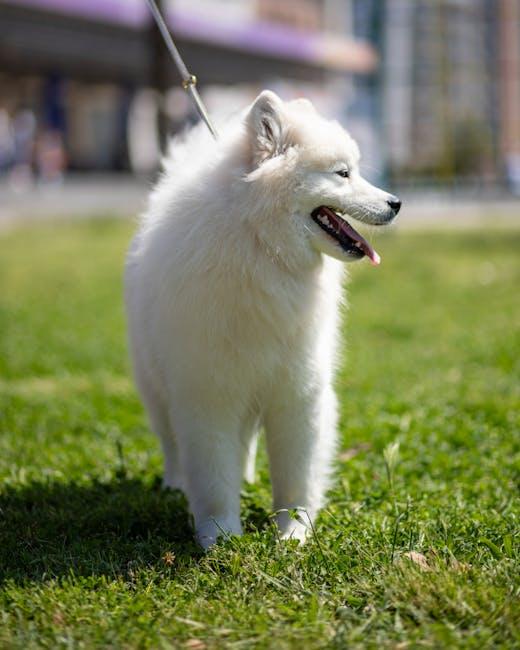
(437, 209)
(120, 195)
(80, 196)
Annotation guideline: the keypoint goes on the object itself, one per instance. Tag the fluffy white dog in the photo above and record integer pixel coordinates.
(233, 285)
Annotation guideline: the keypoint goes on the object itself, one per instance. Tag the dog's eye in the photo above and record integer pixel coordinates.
(344, 173)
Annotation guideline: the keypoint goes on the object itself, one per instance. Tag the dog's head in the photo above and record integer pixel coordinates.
(308, 167)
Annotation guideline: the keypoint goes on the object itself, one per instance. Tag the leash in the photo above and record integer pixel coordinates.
(189, 81)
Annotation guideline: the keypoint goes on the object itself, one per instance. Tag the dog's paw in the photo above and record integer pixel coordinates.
(293, 525)
(209, 531)
(298, 531)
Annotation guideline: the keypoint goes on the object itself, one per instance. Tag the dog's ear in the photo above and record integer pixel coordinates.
(265, 127)
(304, 104)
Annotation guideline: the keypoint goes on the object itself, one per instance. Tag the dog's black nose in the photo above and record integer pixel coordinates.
(394, 203)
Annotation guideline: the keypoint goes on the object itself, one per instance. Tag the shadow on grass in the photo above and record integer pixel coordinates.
(102, 528)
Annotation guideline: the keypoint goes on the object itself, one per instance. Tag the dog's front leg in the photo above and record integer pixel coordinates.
(301, 436)
(211, 457)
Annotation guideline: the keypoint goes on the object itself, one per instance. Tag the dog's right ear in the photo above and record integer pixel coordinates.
(264, 125)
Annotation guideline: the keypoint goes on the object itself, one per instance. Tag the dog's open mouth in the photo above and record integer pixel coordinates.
(348, 238)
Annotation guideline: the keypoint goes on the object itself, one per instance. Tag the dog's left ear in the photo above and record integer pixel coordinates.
(265, 127)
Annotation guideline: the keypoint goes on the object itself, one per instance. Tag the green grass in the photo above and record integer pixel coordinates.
(94, 554)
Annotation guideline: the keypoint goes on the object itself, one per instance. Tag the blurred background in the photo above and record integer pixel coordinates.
(88, 93)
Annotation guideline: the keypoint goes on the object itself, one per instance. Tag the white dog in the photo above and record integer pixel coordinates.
(232, 295)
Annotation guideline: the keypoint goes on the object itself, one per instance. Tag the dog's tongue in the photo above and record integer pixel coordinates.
(345, 228)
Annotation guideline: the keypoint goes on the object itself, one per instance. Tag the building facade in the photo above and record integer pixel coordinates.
(450, 90)
(97, 75)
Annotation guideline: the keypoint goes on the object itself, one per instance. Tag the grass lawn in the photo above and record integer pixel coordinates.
(94, 554)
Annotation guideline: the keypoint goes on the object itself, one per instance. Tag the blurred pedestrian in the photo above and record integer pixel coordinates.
(24, 127)
(50, 158)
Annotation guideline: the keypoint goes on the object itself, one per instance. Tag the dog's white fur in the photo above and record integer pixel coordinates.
(233, 308)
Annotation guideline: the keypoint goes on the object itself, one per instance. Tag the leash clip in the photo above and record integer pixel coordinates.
(190, 81)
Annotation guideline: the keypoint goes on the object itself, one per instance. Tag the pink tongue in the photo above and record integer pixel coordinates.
(372, 255)
(347, 229)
